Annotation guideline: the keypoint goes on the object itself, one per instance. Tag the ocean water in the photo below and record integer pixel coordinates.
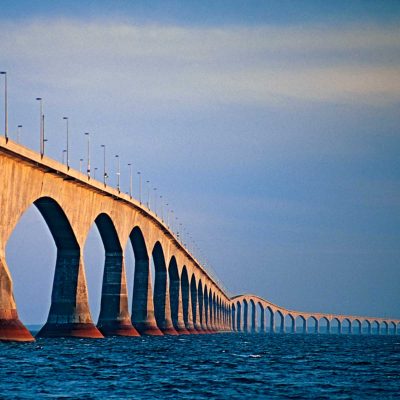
(219, 366)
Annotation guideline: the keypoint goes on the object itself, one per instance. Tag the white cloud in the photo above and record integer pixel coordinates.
(162, 63)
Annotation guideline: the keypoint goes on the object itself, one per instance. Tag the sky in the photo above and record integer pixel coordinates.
(271, 128)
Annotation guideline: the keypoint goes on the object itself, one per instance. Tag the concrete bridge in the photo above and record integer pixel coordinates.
(186, 299)
(253, 314)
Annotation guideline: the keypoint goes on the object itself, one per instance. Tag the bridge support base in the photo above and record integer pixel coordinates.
(118, 328)
(77, 330)
(12, 329)
(147, 327)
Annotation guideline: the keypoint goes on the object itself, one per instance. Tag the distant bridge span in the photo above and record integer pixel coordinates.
(185, 299)
(250, 314)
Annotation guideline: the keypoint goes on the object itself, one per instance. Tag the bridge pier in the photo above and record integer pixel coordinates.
(189, 319)
(143, 317)
(114, 319)
(11, 328)
(69, 314)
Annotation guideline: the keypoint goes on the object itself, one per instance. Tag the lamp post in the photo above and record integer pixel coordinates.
(88, 154)
(94, 174)
(155, 200)
(40, 100)
(80, 164)
(161, 203)
(5, 105)
(140, 187)
(104, 164)
(118, 172)
(63, 156)
(67, 148)
(148, 194)
(130, 179)
(19, 127)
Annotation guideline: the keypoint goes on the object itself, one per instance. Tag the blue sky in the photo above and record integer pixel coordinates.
(271, 128)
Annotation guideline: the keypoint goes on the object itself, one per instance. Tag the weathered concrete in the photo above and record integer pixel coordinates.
(70, 203)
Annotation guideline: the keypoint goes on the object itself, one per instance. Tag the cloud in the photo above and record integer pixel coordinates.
(261, 65)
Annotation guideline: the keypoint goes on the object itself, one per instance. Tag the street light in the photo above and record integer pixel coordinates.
(140, 187)
(63, 154)
(67, 148)
(118, 171)
(19, 127)
(5, 105)
(105, 176)
(130, 179)
(94, 174)
(80, 164)
(162, 219)
(40, 100)
(155, 200)
(148, 194)
(88, 154)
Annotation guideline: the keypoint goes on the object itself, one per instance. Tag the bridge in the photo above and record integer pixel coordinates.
(186, 298)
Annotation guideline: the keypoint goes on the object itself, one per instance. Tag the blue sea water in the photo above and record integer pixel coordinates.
(219, 366)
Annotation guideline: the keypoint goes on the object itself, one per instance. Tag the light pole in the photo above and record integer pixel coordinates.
(155, 200)
(130, 179)
(19, 127)
(118, 172)
(140, 187)
(63, 154)
(67, 148)
(162, 219)
(104, 164)
(40, 100)
(88, 154)
(80, 164)
(5, 105)
(94, 174)
(148, 194)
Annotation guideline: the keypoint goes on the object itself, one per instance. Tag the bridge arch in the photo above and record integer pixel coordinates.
(301, 321)
(357, 322)
(346, 326)
(324, 325)
(69, 299)
(313, 326)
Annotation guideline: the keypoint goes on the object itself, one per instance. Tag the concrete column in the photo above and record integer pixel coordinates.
(196, 306)
(179, 325)
(328, 327)
(114, 319)
(339, 327)
(262, 318)
(238, 319)
(293, 325)
(69, 311)
(316, 326)
(143, 317)
(11, 328)
(253, 319)
(304, 326)
(189, 323)
(246, 318)
(272, 322)
(203, 322)
(166, 326)
(282, 327)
